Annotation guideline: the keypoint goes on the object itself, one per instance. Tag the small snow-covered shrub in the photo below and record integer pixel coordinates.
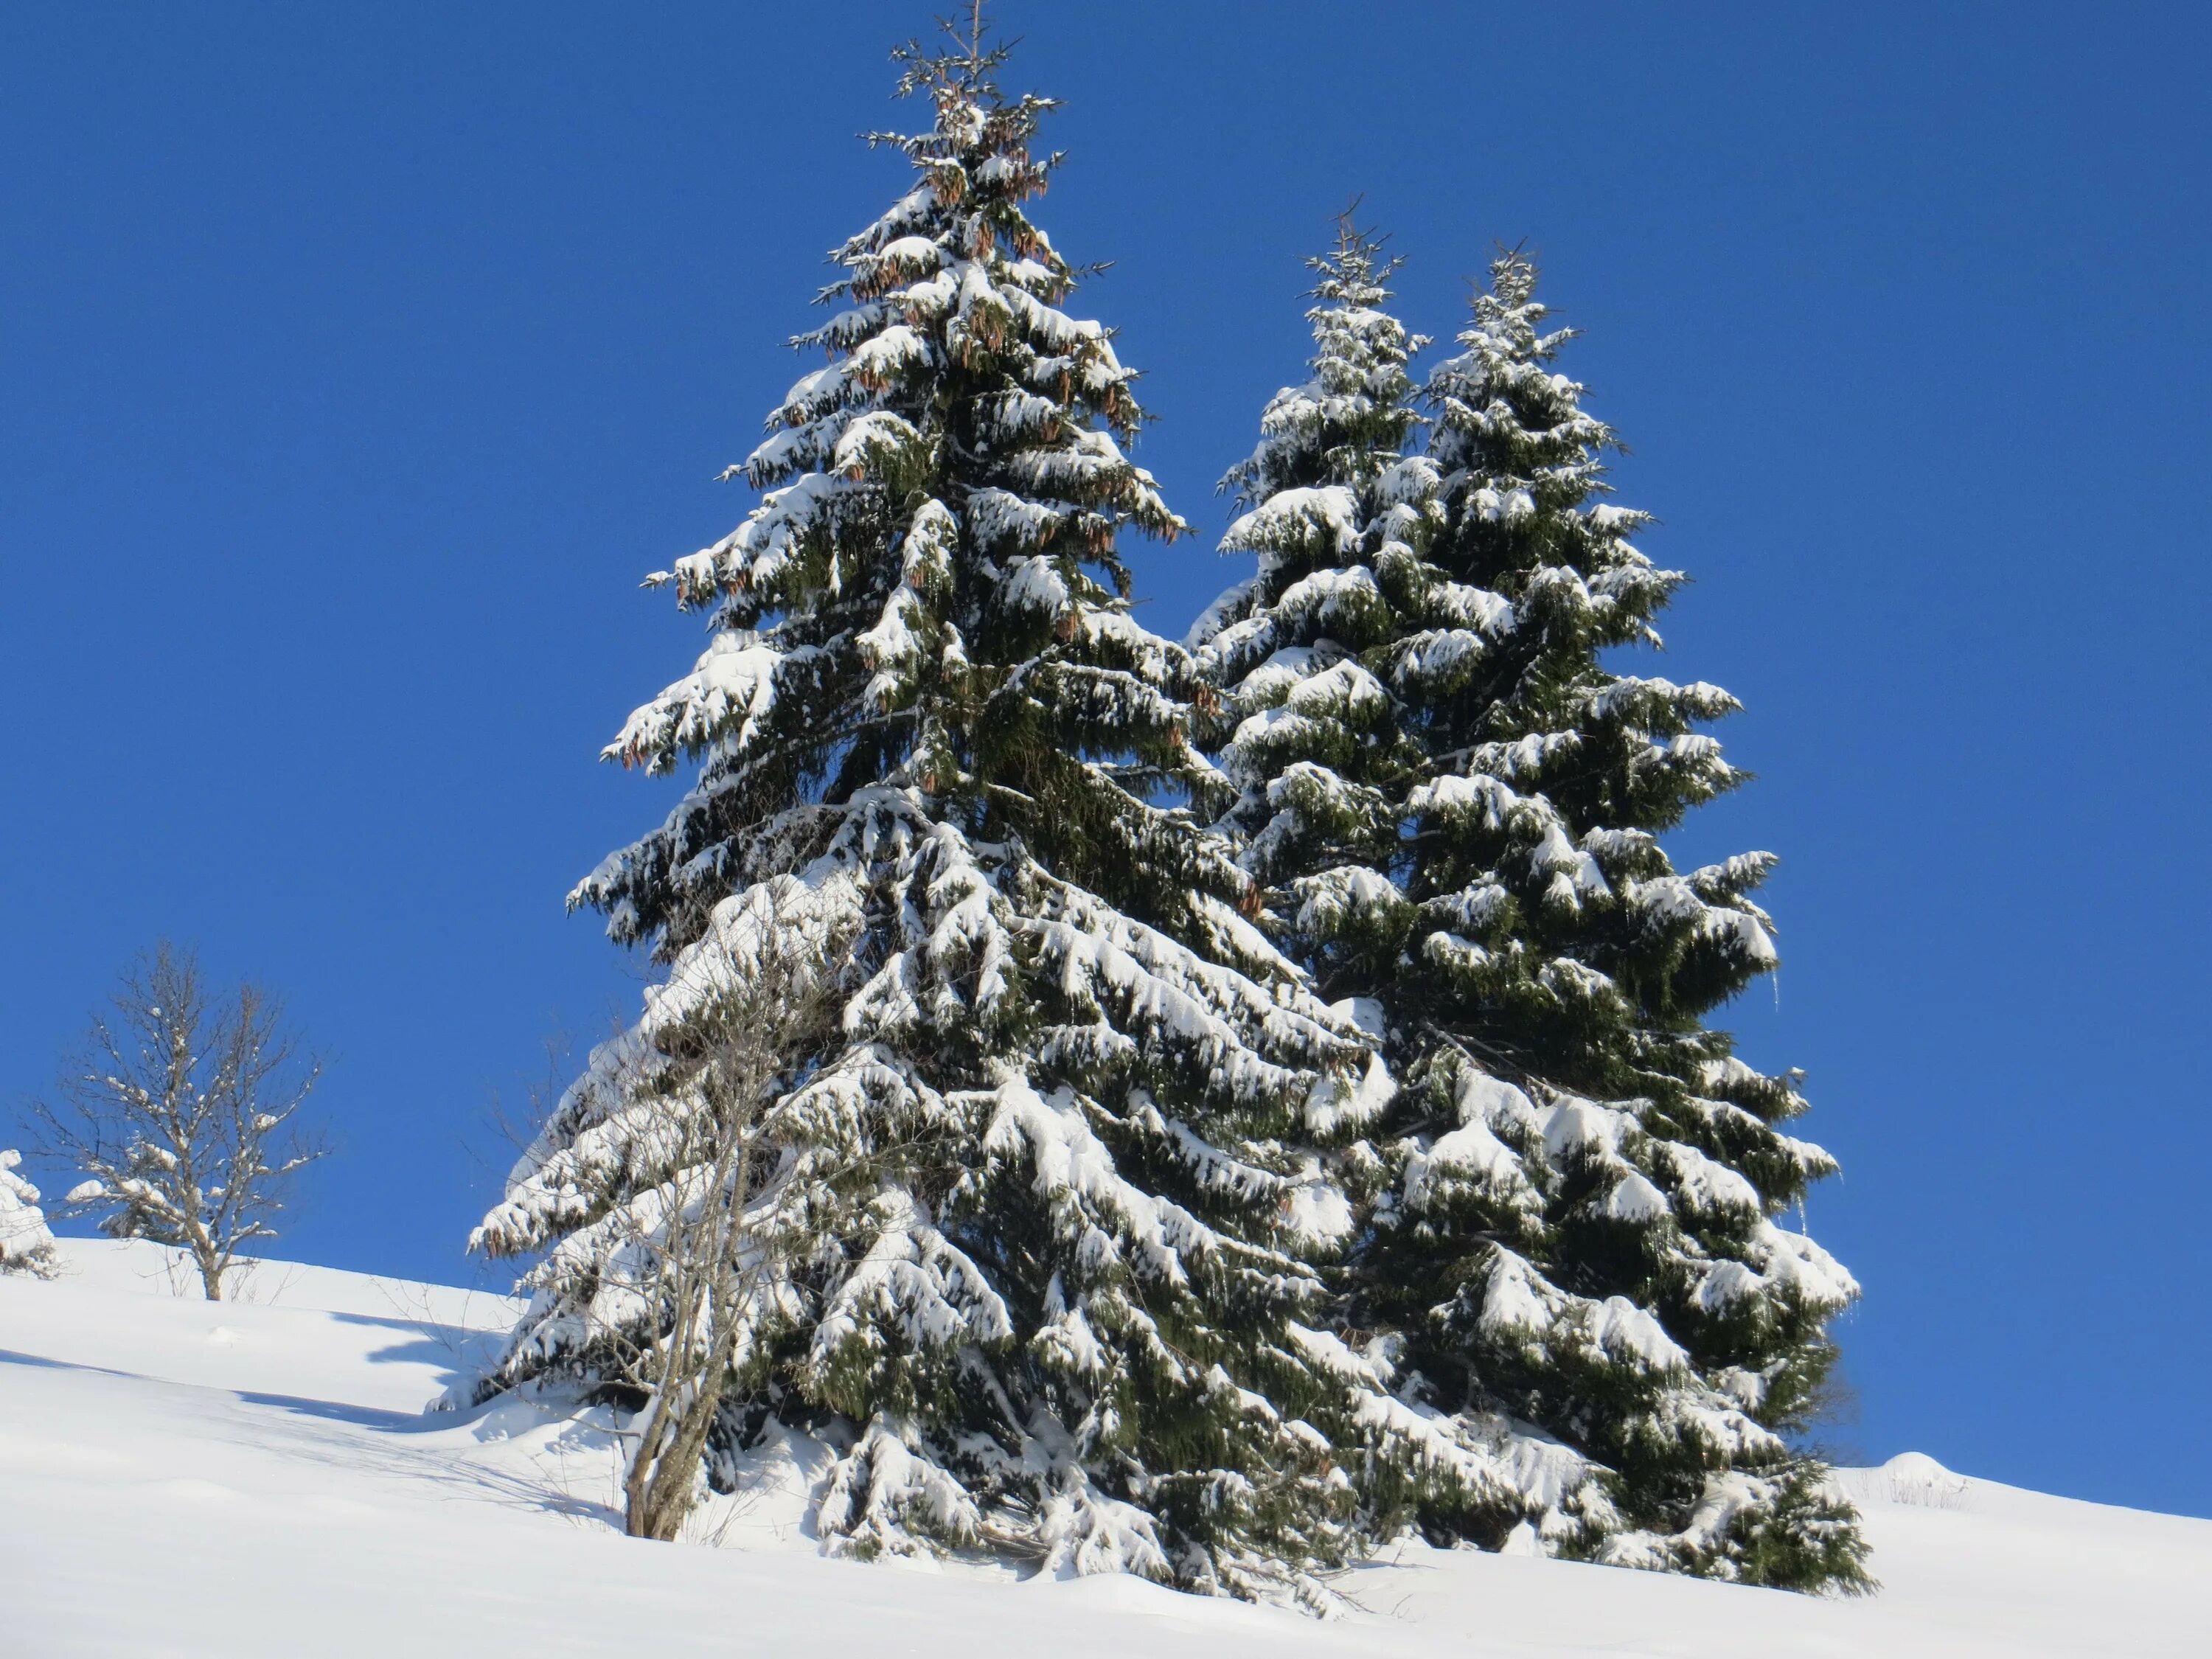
(26, 1246)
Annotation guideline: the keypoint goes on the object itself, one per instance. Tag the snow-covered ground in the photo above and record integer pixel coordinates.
(257, 1479)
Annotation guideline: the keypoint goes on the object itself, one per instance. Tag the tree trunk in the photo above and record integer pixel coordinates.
(636, 1483)
(676, 1471)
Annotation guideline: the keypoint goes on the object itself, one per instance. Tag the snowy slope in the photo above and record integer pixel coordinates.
(256, 1479)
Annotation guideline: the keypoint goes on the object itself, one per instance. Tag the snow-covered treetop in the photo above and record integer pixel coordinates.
(954, 281)
(929, 592)
(1349, 422)
(1501, 409)
(1337, 513)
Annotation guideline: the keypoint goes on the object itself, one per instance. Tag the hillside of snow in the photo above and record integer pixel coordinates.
(258, 1478)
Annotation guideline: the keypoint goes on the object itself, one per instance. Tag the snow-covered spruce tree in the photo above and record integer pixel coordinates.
(1454, 807)
(1035, 1221)
(26, 1244)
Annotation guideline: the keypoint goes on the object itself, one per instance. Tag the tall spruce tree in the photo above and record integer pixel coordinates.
(1034, 1240)
(1572, 1207)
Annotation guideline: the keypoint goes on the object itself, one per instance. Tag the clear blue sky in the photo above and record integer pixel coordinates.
(356, 362)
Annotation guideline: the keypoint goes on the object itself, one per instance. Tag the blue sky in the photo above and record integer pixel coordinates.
(355, 364)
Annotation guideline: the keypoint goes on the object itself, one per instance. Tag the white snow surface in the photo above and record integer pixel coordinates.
(256, 1478)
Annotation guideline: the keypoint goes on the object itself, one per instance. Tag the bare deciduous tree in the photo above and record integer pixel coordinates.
(688, 1204)
(179, 1107)
(700, 1250)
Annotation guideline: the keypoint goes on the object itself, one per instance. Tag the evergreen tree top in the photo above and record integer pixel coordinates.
(929, 593)
(1503, 415)
(1349, 423)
